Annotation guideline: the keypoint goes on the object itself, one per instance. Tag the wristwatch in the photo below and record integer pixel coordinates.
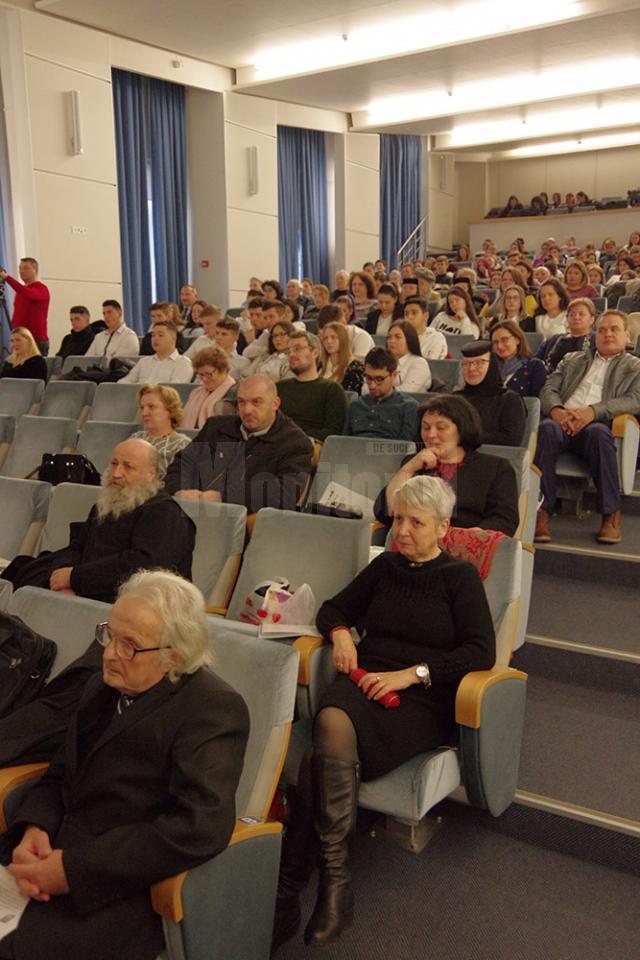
(423, 674)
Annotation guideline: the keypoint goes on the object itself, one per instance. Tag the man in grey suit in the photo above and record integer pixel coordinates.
(581, 398)
(143, 788)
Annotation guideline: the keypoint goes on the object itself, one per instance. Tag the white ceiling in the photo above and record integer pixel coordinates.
(593, 54)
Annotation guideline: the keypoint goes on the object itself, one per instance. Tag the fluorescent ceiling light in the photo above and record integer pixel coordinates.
(542, 124)
(614, 73)
(572, 146)
(406, 35)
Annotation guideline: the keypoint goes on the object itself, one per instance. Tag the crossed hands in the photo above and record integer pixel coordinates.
(573, 421)
(37, 868)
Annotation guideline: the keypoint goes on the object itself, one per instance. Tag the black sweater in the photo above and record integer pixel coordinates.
(486, 494)
(503, 416)
(435, 613)
(35, 368)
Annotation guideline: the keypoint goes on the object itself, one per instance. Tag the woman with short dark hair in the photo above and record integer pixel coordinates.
(449, 434)
(363, 291)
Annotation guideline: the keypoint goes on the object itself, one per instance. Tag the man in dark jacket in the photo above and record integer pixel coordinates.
(133, 525)
(259, 458)
(143, 788)
(76, 343)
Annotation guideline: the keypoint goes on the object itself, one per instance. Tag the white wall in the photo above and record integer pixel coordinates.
(470, 197)
(600, 173)
(441, 204)
(361, 173)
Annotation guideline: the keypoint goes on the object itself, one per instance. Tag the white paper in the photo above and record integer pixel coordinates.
(288, 630)
(335, 495)
(12, 904)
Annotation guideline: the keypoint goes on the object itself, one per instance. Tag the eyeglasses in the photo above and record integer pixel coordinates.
(504, 339)
(467, 364)
(377, 380)
(292, 350)
(124, 649)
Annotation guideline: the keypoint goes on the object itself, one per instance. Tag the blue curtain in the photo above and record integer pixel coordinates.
(302, 205)
(400, 191)
(152, 191)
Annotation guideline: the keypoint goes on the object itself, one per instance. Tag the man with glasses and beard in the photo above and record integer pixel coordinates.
(383, 412)
(133, 525)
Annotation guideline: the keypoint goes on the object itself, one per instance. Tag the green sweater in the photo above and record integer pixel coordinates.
(317, 406)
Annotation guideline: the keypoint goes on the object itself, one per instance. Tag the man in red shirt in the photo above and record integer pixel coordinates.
(31, 304)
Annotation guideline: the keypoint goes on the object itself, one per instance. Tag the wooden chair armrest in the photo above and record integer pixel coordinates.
(532, 466)
(306, 646)
(11, 777)
(251, 522)
(166, 895)
(620, 422)
(220, 611)
(472, 688)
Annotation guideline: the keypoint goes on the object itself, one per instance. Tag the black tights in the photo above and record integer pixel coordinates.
(333, 736)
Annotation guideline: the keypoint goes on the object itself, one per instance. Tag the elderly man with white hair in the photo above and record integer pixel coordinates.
(134, 524)
(142, 789)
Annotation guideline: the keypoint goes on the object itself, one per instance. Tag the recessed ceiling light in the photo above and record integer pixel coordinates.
(622, 139)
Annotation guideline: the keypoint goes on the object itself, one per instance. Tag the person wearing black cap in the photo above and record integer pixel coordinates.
(502, 411)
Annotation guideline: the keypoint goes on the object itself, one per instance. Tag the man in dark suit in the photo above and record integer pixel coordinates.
(143, 788)
(259, 458)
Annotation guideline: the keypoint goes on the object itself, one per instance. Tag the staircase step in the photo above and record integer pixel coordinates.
(582, 729)
(575, 535)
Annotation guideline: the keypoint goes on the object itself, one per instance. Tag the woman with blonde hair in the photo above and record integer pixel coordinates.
(25, 362)
(160, 413)
(338, 363)
(514, 307)
(212, 365)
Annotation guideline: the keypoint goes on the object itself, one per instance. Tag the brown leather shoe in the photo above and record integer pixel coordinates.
(611, 528)
(542, 534)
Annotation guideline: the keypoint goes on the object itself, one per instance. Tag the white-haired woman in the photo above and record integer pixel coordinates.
(426, 624)
(159, 740)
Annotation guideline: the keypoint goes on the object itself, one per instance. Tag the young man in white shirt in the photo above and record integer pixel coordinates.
(225, 336)
(433, 344)
(117, 340)
(165, 365)
(208, 319)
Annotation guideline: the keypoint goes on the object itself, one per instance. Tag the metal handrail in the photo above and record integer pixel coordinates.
(411, 239)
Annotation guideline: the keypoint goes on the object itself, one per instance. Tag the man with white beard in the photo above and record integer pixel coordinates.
(133, 525)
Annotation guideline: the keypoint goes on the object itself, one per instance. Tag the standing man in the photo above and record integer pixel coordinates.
(31, 305)
(117, 340)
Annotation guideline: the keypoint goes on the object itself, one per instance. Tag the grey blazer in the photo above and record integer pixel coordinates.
(620, 391)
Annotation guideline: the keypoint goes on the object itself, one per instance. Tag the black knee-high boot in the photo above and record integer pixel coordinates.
(336, 797)
(299, 854)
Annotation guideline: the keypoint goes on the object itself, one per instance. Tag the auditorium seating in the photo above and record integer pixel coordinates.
(530, 432)
(33, 437)
(115, 401)
(18, 397)
(363, 465)
(7, 431)
(98, 438)
(70, 503)
(220, 535)
(573, 473)
(54, 366)
(84, 363)
(24, 510)
(448, 370)
(184, 389)
(67, 398)
(455, 342)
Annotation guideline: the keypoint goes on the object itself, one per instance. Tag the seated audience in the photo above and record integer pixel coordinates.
(76, 343)
(318, 406)
(360, 341)
(442, 273)
(225, 336)
(117, 340)
(134, 525)
(307, 287)
(414, 375)
(272, 290)
(342, 284)
(363, 292)
(449, 434)
(353, 738)
(336, 360)
(273, 311)
(395, 277)
(25, 362)
(579, 401)
(188, 296)
(388, 309)
(409, 288)
(160, 312)
(502, 411)
(540, 274)
(194, 323)
(160, 413)
(275, 363)
(459, 315)
(512, 204)
(570, 200)
(211, 365)
(576, 279)
(511, 276)
(581, 315)
(467, 279)
(426, 286)
(433, 344)
(166, 365)
(553, 298)
(608, 251)
(513, 308)
(293, 312)
(159, 740)
(519, 370)
(538, 204)
(259, 458)
(302, 302)
(254, 323)
(383, 411)
(320, 298)
(596, 275)
(209, 317)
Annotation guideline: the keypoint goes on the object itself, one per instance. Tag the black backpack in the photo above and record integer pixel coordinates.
(26, 659)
